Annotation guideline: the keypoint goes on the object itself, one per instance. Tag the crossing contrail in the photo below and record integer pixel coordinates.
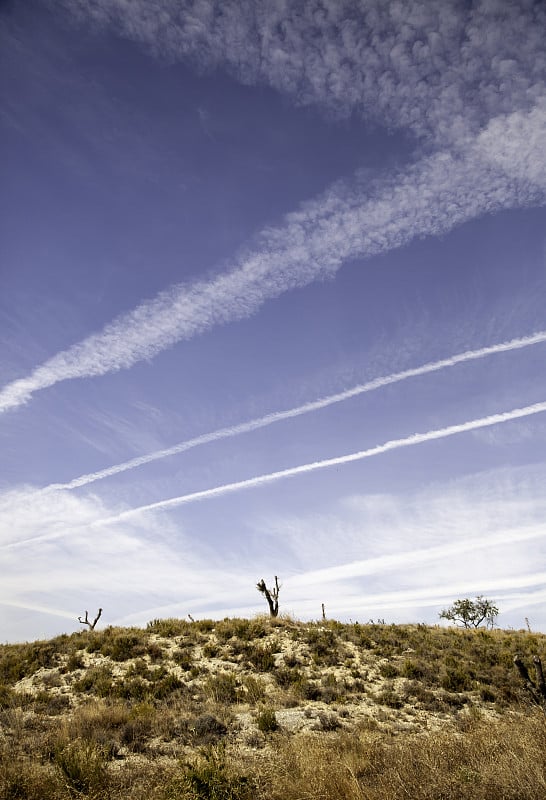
(427, 198)
(306, 408)
(273, 477)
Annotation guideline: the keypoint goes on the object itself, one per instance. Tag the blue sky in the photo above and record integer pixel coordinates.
(272, 293)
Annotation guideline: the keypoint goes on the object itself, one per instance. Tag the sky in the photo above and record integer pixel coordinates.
(272, 292)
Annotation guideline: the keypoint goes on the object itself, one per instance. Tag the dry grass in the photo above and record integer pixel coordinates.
(487, 761)
(264, 708)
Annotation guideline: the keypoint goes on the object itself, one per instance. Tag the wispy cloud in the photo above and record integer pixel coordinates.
(137, 571)
(306, 408)
(440, 70)
(430, 198)
(412, 559)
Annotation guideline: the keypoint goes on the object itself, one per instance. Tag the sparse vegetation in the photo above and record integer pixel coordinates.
(357, 711)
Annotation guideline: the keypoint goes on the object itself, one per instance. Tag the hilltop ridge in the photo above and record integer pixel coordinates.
(142, 702)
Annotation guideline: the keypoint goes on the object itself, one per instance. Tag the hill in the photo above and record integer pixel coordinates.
(271, 708)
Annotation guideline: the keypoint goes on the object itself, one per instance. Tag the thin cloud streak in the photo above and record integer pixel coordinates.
(348, 604)
(305, 408)
(272, 477)
(429, 198)
(381, 564)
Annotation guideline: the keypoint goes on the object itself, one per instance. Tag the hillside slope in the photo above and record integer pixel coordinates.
(270, 708)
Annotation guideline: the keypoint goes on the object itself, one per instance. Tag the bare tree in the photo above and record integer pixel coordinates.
(87, 622)
(271, 595)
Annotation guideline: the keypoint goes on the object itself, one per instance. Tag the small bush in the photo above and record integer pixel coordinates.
(206, 729)
(456, 680)
(327, 722)
(168, 628)
(266, 721)
(254, 690)
(411, 670)
(331, 690)
(75, 661)
(155, 652)
(83, 767)
(166, 686)
(487, 695)
(262, 658)
(388, 697)
(124, 646)
(210, 779)
(183, 658)
(131, 689)
(324, 646)
(388, 671)
(211, 650)
(6, 696)
(52, 704)
(222, 688)
(98, 680)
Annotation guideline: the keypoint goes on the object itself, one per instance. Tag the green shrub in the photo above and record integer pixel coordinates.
(456, 680)
(168, 628)
(183, 657)
(47, 703)
(124, 646)
(131, 689)
(327, 722)
(324, 646)
(82, 765)
(262, 658)
(98, 680)
(254, 690)
(266, 720)
(332, 690)
(166, 686)
(75, 661)
(388, 697)
(6, 696)
(388, 671)
(487, 695)
(211, 650)
(155, 652)
(210, 779)
(222, 688)
(411, 670)
(204, 625)
(206, 729)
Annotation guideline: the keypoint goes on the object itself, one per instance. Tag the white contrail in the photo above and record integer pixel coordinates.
(272, 477)
(306, 408)
(429, 198)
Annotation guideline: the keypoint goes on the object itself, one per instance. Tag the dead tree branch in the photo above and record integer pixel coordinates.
(86, 621)
(537, 688)
(271, 595)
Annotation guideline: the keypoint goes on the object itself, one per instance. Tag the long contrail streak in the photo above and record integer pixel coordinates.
(429, 197)
(306, 408)
(272, 477)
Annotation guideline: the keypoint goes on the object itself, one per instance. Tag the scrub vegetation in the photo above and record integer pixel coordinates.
(272, 708)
